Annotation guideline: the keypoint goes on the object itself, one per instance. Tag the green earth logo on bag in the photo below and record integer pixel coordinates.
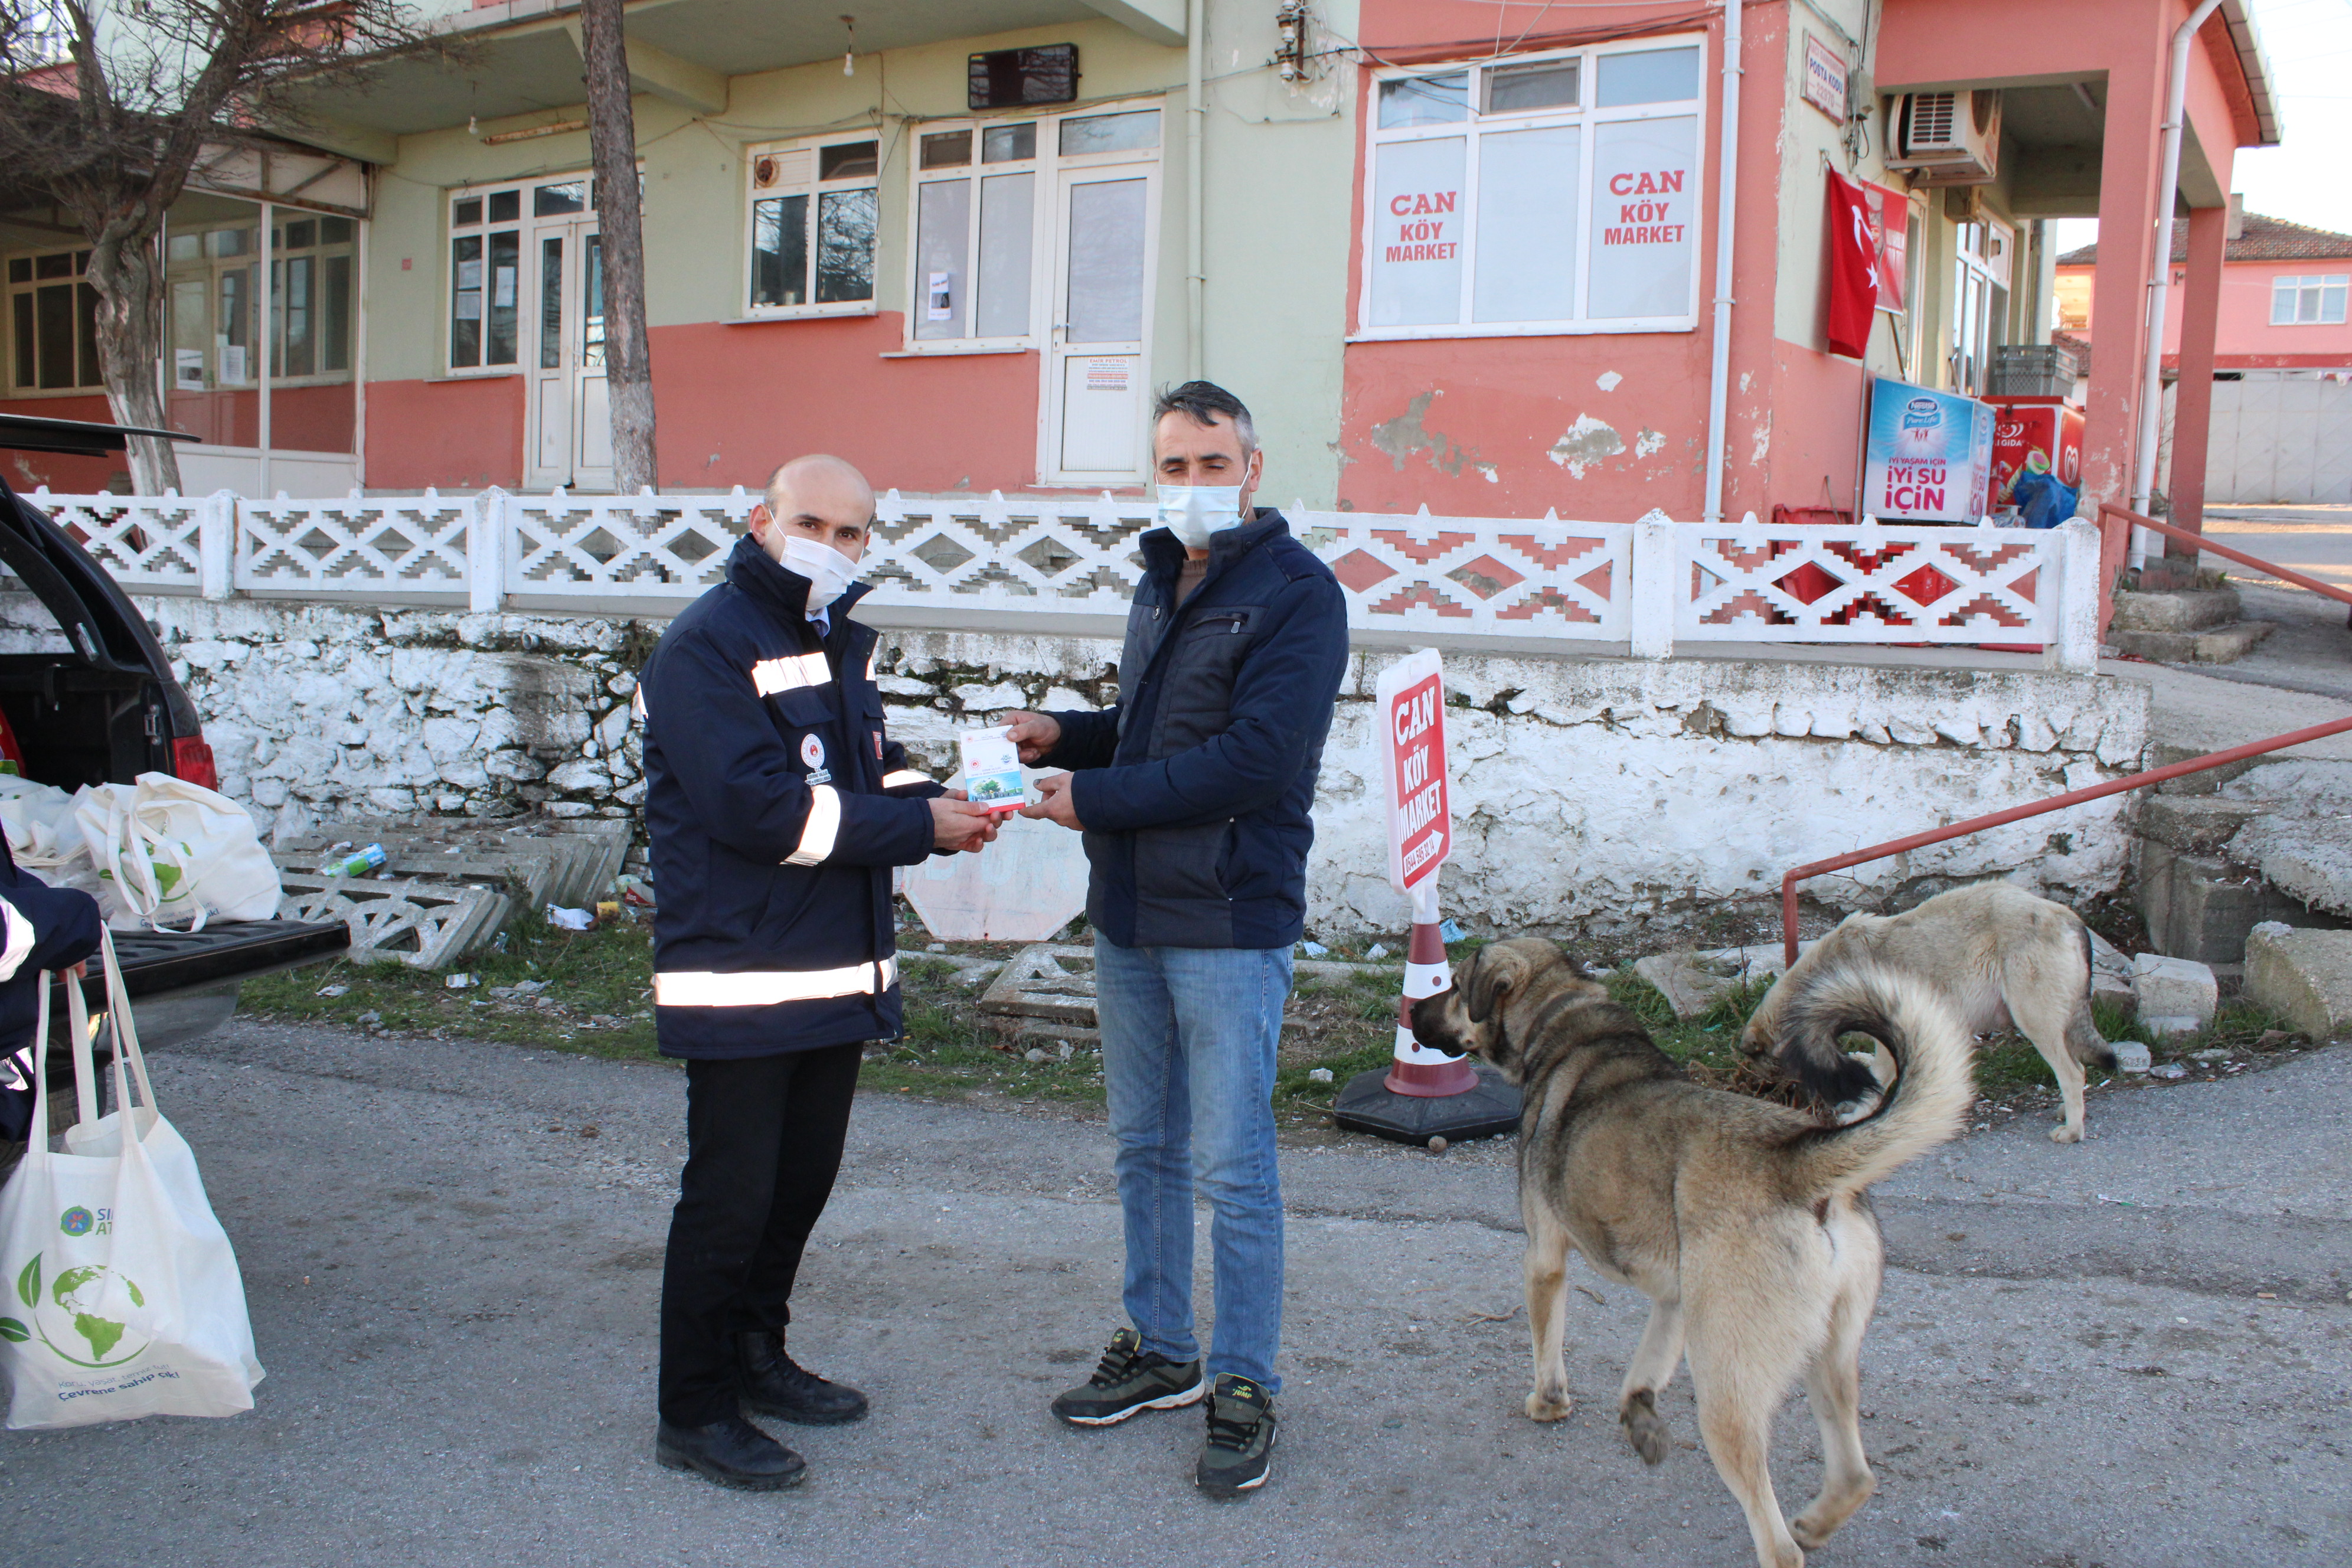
(77, 1307)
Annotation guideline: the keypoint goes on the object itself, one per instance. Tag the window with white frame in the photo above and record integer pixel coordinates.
(210, 301)
(812, 221)
(486, 278)
(2308, 301)
(52, 323)
(979, 216)
(1550, 192)
(975, 232)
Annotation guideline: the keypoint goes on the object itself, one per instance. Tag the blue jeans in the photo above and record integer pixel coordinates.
(1188, 1042)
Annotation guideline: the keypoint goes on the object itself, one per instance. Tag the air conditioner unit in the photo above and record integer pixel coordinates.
(1947, 138)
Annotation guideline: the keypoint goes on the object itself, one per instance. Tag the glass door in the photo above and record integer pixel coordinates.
(570, 427)
(1096, 368)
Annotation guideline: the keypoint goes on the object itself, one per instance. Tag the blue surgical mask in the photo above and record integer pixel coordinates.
(1193, 512)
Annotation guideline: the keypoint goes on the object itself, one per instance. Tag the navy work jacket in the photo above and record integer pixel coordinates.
(777, 807)
(1197, 790)
(41, 927)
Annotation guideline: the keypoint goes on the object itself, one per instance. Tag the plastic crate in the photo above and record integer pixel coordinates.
(2032, 370)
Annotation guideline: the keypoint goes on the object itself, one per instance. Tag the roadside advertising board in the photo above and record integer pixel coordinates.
(1929, 457)
(1410, 702)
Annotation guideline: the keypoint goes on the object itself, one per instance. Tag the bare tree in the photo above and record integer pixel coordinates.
(612, 143)
(110, 112)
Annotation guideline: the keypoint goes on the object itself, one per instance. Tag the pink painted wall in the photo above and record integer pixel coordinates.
(2245, 338)
(1514, 427)
(67, 476)
(735, 401)
(450, 435)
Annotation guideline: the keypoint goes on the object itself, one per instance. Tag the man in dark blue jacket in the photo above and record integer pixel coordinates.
(1195, 794)
(777, 807)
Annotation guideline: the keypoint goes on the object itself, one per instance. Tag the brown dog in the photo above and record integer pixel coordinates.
(1743, 1222)
(2004, 956)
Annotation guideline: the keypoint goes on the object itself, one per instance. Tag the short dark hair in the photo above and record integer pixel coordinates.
(1202, 402)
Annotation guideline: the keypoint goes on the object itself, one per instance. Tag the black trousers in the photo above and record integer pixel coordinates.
(764, 1139)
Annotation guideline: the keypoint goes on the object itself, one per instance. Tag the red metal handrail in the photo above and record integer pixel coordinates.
(2075, 798)
(2107, 509)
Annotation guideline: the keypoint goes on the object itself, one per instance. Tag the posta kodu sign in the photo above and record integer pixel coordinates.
(1410, 699)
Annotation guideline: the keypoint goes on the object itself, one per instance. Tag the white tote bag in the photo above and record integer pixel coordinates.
(43, 837)
(119, 1295)
(174, 855)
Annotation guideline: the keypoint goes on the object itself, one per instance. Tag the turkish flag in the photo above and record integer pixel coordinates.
(1853, 268)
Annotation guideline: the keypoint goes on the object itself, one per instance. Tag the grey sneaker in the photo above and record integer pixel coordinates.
(1127, 1381)
(1241, 1438)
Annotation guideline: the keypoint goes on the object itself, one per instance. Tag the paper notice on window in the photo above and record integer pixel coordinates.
(1109, 374)
(469, 275)
(188, 369)
(941, 292)
(232, 361)
(469, 305)
(502, 290)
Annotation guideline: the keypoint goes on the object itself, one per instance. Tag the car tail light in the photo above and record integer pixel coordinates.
(192, 762)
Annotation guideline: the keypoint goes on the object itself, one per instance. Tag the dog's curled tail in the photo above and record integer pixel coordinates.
(1929, 1099)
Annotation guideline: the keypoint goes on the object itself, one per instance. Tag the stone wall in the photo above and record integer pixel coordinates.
(1592, 796)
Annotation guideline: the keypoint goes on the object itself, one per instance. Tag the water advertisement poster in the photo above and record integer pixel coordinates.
(1929, 459)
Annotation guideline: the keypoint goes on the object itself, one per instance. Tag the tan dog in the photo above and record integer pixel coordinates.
(2004, 957)
(1743, 1222)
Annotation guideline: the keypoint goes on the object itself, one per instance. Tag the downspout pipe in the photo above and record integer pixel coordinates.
(2151, 381)
(1726, 203)
(1196, 113)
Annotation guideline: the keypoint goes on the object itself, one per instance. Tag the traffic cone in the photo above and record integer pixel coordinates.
(1425, 1095)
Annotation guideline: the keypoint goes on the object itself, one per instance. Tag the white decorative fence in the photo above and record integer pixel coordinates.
(1648, 586)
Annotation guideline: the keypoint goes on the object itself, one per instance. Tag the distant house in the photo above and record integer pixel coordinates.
(2284, 291)
(2282, 418)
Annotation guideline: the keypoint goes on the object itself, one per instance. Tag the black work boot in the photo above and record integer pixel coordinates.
(732, 1452)
(773, 1384)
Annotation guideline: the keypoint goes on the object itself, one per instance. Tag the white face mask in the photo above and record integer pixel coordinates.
(829, 571)
(1193, 512)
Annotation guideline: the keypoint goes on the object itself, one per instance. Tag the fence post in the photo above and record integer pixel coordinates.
(216, 531)
(1652, 606)
(2074, 646)
(486, 552)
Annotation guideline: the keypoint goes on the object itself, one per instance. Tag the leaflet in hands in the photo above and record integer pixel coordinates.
(991, 770)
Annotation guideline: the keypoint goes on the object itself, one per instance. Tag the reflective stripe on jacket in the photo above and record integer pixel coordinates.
(777, 805)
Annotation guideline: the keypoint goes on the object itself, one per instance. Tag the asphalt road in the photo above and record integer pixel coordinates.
(454, 1292)
(2315, 541)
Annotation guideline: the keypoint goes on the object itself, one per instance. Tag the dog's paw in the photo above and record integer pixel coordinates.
(1548, 1405)
(1645, 1428)
(2062, 1133)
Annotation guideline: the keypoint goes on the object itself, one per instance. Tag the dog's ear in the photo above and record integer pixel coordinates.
(1495, 974)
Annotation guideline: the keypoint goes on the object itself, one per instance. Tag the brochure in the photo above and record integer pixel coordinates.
(991, 770)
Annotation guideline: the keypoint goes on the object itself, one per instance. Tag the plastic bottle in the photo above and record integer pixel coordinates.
(359, 864)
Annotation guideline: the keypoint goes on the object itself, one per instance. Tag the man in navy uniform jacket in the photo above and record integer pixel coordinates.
(777, 807)
(41, 929)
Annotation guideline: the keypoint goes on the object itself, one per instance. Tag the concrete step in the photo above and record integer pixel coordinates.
(2188, 610)
(2217, 645)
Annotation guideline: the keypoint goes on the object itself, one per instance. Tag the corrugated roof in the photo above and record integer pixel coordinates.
(2261, 240)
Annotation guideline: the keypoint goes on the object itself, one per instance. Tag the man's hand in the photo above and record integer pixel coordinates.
(960, 825)
(1035, 733)
(1054, 800)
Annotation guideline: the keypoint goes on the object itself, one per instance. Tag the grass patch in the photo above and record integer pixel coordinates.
(597, 997)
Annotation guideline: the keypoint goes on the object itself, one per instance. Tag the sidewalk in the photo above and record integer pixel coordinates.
(454, 1291)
